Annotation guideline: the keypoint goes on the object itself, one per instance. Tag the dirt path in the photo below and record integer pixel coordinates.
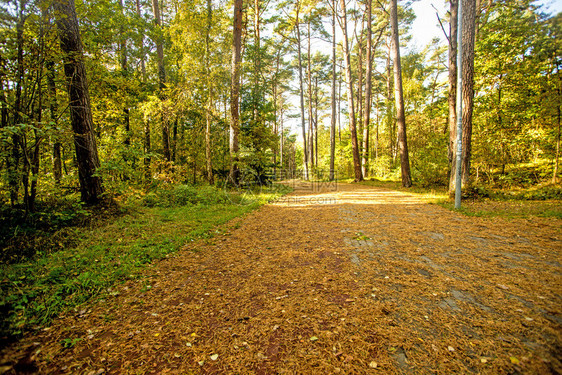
(346, 279)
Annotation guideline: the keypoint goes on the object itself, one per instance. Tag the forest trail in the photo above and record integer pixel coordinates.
(331, 279)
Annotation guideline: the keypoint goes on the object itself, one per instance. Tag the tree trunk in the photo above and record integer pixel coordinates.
(333, 119)
(377, 130)
(161, 78)
(359, 102)
(557, 157)
(368, 87)
(147, 150)
(80, 111)
(52, 89)
(208, 155)
(146, 122)
(235, 93)
(297, 25)
(468, 37)
(141, 45)
(399, 98)
(125, 74)
(174, 142)
(339, 107)
(14, 171)
(34, 158)
(282, 139)
(310, 101)
(389, 109)
(452, 100)
(257, 61)
(352, 124)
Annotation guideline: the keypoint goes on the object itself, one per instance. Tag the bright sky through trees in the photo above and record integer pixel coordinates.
(426, 25)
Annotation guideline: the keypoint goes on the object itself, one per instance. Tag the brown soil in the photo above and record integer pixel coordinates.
(331, 279)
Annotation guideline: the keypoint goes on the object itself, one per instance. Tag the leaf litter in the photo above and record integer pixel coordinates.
(295, 289)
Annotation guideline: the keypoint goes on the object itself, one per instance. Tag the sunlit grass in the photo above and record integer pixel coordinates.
(498, 206)
(35, 291)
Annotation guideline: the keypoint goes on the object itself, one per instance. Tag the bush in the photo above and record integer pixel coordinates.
(186, 195)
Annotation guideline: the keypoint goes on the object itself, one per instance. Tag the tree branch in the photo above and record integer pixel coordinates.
(441, 23)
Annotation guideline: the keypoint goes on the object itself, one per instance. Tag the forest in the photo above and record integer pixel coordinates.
(105, 103)
(166, 98)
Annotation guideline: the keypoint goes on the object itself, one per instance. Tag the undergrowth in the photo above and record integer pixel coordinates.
(543, 200)
(34, 291)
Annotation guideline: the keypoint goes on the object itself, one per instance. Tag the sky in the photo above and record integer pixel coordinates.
(426, 26)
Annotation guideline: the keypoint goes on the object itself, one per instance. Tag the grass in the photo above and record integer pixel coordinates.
(526, 203)
(33, 292)
(510, 209)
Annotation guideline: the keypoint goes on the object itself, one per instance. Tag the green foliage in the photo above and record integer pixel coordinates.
(185, 195)
(49, 229)
(36, 290)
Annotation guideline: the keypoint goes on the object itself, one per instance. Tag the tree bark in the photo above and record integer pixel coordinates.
(146, 122)
(235, 93)
(91, 186)
(368, 88)
(15, 171)
(349, 77)
(359, 102)
(316, 122)
(52, 89)
(557, 155)
(257, 62)
(141, 45)
(452, 100)
(125, 74)
(310, 100)
(389, 109)
(161, 79)
(399, 98)
(297, 25)
(333, 119)
(468, 37)
(208, 155)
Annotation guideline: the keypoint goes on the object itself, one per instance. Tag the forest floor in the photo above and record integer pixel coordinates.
(330, 279)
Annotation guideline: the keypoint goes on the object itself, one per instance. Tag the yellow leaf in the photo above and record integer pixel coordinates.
(514, 360)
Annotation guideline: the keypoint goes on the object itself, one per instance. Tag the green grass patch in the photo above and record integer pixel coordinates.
(509, 209)
(534, 201)
(33, 292)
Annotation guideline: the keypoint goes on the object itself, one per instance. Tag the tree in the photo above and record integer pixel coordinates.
(333, 118)
(350, 93)
(301, 85)
(161, 78)
(399, 98)
(368, 89)
(468, 38)
(235, 93)
(208, 156)
(452, 99)
(91, 186)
